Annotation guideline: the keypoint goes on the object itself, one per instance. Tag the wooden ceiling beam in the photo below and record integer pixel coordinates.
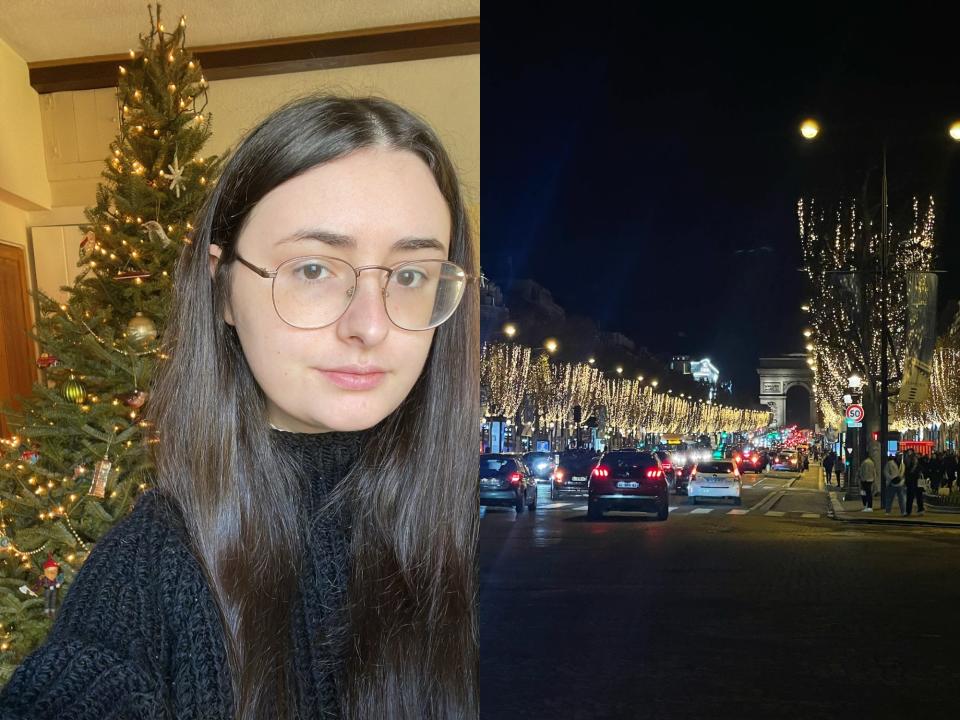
(396, 43)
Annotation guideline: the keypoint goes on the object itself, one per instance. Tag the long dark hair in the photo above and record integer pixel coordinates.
(412, 637)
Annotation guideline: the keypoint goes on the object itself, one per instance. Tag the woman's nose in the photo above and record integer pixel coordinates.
(366, 316)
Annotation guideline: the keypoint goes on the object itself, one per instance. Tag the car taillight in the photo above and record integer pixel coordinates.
(654, 473)
(558, 476)
(755, 458)
(736, 457)
(514, 478)
(601, 472)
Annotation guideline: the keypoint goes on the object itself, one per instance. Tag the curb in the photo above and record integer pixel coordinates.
(847, 517)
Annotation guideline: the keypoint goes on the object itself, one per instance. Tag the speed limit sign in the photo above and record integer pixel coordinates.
(855, 413)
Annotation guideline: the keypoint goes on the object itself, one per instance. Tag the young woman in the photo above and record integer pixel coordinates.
(309, 548)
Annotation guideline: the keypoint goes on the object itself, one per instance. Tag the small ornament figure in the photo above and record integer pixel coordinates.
(136, 399)
(101, 473)
(86, 245)
(176, 174)
(79, 471)
(46, 360)
(141, 330)
(156, 229)
(30, 456)
(50, 583)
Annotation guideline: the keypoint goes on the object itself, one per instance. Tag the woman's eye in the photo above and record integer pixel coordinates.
(312, 271)
(409, 277)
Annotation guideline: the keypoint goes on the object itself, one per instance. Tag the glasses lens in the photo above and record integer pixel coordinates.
(312, 292)
(424, 294)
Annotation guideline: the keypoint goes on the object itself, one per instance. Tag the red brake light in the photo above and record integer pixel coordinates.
(514, 478)
(601, 471)
(736, 457)
(654, 473)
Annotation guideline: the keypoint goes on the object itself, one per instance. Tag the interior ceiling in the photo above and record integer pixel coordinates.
(39, 30)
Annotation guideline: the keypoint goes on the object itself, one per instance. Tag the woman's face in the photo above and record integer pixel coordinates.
(362, 204)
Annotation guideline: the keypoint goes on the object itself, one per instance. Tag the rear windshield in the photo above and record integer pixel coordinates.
(495, 465)
(622, 462)
(537, 457)
(578, 463)
(715, 467)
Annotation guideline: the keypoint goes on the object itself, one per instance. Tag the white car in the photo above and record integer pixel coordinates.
(716, 479)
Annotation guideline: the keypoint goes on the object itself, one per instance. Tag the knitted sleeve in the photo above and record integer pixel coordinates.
(104, 655)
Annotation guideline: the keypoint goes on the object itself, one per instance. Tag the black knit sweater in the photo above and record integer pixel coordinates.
(138, 635)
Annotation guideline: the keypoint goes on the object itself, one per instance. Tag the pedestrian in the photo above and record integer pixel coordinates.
(936, 472)
(893, 473)
(950, 468)
(282, 564)
(867, 476)
(828, 463)
(913, 473)
(838, 468)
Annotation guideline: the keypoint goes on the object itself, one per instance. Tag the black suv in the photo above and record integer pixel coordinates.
(572, 472)
(631, 480)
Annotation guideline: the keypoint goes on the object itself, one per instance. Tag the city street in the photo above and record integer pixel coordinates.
(773, 609)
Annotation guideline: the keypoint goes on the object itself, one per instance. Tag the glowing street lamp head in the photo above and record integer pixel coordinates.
(955, 131)
(619, 370)
(807, 333)
(510, 330)
(592, 360)
(551, 345)
(654, 382)
(639, 378)
(809, 348)
(810, 129)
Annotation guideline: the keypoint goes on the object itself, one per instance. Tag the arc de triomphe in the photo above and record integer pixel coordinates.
(778, 376)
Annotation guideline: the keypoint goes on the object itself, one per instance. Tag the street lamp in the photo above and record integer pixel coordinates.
(807, 333)
(955, 131)
(639, 378)
(592, 361)
(810, 128)
(654, 382)
(619, 370)
(510, 330)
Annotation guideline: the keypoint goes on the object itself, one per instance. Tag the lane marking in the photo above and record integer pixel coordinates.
(738, 511)
(701, 511)
(774, 513)
(811, 516)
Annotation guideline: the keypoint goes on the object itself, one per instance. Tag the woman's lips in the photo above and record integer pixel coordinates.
(353, 381)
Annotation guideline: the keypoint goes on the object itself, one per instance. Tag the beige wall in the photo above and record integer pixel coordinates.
(78, 126)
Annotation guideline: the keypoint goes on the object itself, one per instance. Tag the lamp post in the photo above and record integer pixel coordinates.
(854, 386)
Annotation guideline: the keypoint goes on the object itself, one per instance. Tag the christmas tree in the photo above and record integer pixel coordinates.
(78, 457)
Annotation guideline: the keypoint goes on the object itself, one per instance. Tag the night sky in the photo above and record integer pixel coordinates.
(646, 169)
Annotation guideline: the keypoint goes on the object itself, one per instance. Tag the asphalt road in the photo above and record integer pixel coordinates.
(775, 611)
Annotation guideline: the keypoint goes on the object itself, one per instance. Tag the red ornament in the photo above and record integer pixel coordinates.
(30, 456)
(46, 360)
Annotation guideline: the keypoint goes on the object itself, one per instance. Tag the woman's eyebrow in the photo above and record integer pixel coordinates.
(339, 240)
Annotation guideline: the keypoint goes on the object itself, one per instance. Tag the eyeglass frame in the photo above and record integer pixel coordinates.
(272, 276)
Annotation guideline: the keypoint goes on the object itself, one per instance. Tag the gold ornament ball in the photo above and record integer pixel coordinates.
(74, 391)
(141, 330)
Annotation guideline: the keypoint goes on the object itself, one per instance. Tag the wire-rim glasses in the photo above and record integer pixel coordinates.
(314, 291)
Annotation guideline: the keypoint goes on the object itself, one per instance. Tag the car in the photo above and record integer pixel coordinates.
(540, 464)
(751, 460)
(572, 472)
(506, 481)
(666, 461)
(784, 460)
(683, 474)
(716, 479)
(628, 480)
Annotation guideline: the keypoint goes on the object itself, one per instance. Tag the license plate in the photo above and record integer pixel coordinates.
(580, 478)
(628, 484)
(488, 481)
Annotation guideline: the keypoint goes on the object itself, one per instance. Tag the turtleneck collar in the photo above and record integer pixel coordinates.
(324, 457)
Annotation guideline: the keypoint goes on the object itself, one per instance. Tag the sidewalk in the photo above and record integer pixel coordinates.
(851, 510)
